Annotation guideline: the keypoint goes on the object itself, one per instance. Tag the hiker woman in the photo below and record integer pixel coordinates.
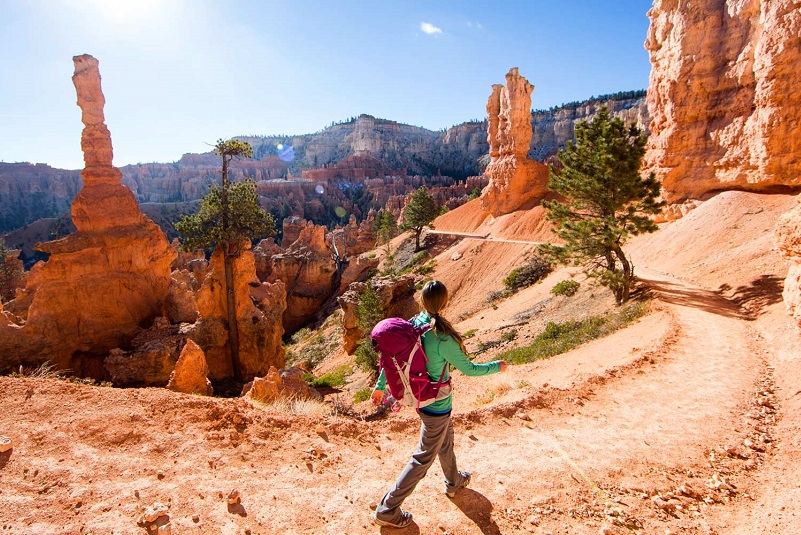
(443, 345)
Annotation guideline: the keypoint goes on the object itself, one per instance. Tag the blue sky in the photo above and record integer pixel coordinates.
(180, 74)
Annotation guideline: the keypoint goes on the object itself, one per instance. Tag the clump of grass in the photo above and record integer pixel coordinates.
(559, 338)
(469, 334)
(332, 379)
(567, 288)
(362, 395)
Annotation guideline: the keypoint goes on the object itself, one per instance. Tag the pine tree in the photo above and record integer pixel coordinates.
(229, 215)
(419, 213)
(606, 200)
(368, 313)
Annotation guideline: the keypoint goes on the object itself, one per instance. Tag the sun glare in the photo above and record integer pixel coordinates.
(127, 11)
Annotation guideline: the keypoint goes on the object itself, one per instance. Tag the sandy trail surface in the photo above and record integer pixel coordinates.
(685, 422)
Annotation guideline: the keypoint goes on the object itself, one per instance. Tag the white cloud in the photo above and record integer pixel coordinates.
(429, 28)
(476, 25)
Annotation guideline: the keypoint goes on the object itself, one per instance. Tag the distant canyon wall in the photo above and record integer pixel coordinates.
(30, 192)
(724, 95)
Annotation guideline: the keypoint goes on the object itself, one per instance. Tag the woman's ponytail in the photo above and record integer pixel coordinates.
(435, 297)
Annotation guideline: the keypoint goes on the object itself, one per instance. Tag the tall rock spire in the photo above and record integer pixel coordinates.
(515, 180)
(101, 283)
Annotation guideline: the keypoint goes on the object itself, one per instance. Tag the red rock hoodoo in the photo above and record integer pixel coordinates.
(515, 180)
(105, 281)
(724, 96)
(259, 309)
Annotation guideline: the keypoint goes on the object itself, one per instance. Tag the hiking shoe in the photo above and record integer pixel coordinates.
(450, 490)
(405, 520)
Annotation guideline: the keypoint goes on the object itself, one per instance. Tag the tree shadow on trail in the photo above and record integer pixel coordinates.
(478, 509)
(762, 292)
(678, 294)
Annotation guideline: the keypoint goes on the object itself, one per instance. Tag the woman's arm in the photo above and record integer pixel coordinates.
(451, 352)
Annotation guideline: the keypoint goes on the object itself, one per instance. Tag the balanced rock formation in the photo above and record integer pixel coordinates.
(191, 372)
(515, 180)
(259, 307)
(106, 280)
(397, 299)
(277, 384)
(788, 240)
(724, 96)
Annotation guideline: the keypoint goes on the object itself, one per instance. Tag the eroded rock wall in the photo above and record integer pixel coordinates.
(788, 241)
(724, 95)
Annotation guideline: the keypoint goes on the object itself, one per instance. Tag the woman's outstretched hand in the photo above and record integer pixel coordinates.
(503, 365)
(377, 396)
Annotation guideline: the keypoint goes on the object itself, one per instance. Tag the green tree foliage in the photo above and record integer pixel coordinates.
(419, 213)
(386, 228)
(10, 274)
(229, 215)
(368, 313)
(605, 201)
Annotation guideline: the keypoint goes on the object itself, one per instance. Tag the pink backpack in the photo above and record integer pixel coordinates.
(403, 360)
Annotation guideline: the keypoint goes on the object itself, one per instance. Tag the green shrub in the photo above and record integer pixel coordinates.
(559, 338)
(426, 268)
(509, 336)
(566, 288)
(366, 356)
(331, 379)
(534, 271)
(362, 395)
(469, 334)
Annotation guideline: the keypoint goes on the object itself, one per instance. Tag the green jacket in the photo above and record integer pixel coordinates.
(439, 350)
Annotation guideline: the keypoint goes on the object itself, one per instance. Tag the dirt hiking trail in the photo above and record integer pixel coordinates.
(683, 423)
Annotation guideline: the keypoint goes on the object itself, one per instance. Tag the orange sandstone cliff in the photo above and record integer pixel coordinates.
(724, 96)
(100, 284)
(514, 179)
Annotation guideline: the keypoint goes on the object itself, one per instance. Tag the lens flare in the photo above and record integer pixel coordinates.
(319, 189)
(285, 153)
(339, 211)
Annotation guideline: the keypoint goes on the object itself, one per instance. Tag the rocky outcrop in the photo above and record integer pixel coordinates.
(354, 168)
(191, 372)
(279, 384)
(553, 128)
(105, 281)
(788, 241)
(514, 179)
(313, 270)
(724, 96)
(308, 270)
(397, 299)
(259, 307)
(150, 359)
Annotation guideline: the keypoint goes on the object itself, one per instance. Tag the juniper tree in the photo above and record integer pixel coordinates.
(605, 200)
(419, 213)
(229, 216)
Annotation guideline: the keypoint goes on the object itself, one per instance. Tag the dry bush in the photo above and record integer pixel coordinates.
(295, 406)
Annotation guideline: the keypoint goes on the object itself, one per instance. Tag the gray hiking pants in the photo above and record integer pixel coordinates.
(436, 439)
